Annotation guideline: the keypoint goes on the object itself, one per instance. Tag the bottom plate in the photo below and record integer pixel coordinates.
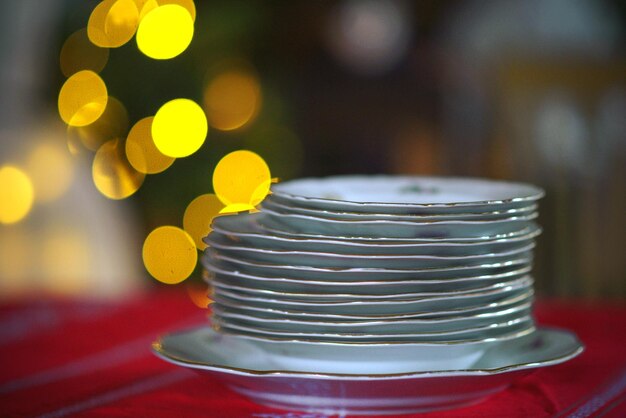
(250, 371)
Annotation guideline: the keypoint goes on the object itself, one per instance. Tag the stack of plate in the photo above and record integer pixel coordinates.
(434, 260)
(346, 280)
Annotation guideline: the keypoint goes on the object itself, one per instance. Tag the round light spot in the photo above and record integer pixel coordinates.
(112, 124)
(142, 154)
(199, 215)
(51, 170)
(199, 295)
(179, 128)
(165, 32)
(16, 194)
(113, 23)
(82, 99)
(145, 7)
(78, 53)
(169, 254)
(187, 4)
(112, 174)
(241, 177)
(232, 100)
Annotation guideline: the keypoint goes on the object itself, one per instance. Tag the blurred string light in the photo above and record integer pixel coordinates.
(112, 174)
(232, 99)
(51, 171)
(370, 36)
(113, 123)
(179, 128)
(169, 254)
(141, 151)
(241, 180)
(199, 215)
(16, 194)
(199, 295)
(113, 23)
(165, 32)
(78, 53)
(82, 99)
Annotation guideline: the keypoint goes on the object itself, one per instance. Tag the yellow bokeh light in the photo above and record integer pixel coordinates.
(51, 170)
(179, 128)
(78, 53)
(141, 152)
(113, 23)
(112, 174)
(16, 194)
(187, 4)
(237, 207)
(82, 99)
(165, 32)
(66, 261)
(145, 7)
(241, 177)
(199, 215)
(169, 254)
(112, 124)
(199, 295)
(232, 100)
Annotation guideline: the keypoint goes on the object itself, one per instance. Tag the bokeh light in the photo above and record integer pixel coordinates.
(232, 99)
(179, 128)
(165, 32)
(141, 151)
(199, 215)
(112, 174)
(187, 4)
(199, 295)
(112, 124)
(241, 178)
(82, 99)
(67, 261)
(112, 23)
(145, 7)
(169, 254)
(79, 53)
(16, 194)
(51, 170)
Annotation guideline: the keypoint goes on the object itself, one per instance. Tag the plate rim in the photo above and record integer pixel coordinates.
(157, 349)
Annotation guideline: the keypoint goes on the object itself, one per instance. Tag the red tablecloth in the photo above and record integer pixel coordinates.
(93, 359)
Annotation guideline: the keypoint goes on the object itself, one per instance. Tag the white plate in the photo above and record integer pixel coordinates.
(358, 288)
(376, 327)
(273, 313)
(244, 228)
(311, 225)
(458, 336)
(358, 273)
(376, 307)
(324, 259)
(365, 382)
(406, 195)
(274, 203)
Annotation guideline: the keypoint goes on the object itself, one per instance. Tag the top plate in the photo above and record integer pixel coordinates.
(405, 194)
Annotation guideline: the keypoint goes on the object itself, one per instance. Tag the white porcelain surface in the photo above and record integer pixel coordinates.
(376, 327)
(211, 257)
(284, 312)
(336, 380)
(449, 229)
(245, 229)
(376, 307)
(274, 203)
(381, 260)
(406, 195)
(357, 288)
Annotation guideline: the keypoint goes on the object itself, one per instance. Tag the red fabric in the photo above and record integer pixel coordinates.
(92, 359)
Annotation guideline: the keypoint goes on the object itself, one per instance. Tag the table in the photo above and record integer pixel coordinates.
(88, 358)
